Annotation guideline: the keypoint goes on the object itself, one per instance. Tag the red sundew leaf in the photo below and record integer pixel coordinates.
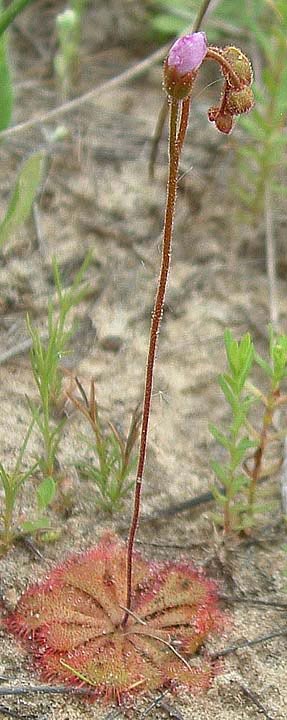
(177, 585)
(73, 623)
(196, 678)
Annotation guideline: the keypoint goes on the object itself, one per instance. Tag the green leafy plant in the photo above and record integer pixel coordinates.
(69, 28)
(262, 156)
(240, 474)
(12, 482)
(113, 455)
(275, 370)
(240, 356)
(45, 357)
(23, 195)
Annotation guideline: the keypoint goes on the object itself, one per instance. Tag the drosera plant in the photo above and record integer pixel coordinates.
(12, 524)
(110, 620)
(240, 474)
(114, 458)
(46, 354)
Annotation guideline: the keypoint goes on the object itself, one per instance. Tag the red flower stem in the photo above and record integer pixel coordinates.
(214, 54)
(183, 123)
(175, 145)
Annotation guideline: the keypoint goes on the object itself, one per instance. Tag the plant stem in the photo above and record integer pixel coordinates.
(8, 15)
(183, 123)
(175, 145)
(258, 455)
(214, 54)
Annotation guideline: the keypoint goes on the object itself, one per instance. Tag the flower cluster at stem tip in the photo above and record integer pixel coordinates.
(181, 67)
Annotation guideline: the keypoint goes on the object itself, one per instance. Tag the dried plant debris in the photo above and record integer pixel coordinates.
(73, 623)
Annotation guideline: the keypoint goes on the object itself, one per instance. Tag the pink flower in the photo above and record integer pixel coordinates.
(182, 63)
(187, 53)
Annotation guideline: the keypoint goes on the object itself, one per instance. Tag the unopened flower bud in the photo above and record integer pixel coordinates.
(180, 68)
(239, 64)
(239, 101)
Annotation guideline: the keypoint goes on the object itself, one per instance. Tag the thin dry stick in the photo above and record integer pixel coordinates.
(174, 155)
(253, 601)
(155, 703)
(14, 714)
(253, 697)
(248, 643)
(44, 690)
(127, 75)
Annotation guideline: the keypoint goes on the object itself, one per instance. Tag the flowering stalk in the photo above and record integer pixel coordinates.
(174, 155)
(180, 71)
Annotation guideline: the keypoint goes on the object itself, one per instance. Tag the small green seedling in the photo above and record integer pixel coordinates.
(46, 357)
(113, 455)
(69, 29)
(240, 356)
(12, 483)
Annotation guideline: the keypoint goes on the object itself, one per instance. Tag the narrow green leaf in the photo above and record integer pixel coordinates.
(46, 492)
(6, 87)
(264, 365)
(30, 526)
(221, 471)
(226, 389)
(23, 195)
(218, 496)
(220, 437)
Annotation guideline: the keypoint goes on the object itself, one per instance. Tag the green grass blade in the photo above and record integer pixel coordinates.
(6, 88)
(24, 192)
(8, 15)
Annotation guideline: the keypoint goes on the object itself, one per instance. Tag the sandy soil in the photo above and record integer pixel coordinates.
(97, 196)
